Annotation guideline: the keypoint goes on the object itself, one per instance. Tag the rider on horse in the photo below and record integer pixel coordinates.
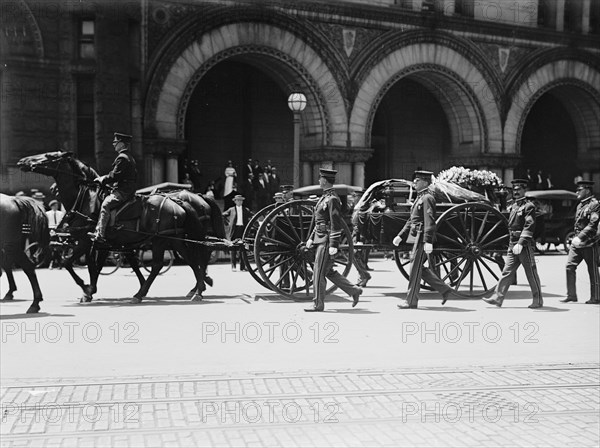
(123, 178)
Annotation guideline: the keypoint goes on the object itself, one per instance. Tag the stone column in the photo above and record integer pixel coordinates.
(509, 174)
(358, 177)
(157, 175)
(165, 153)
(585, 16)
(560, 15)
(307, 178)
(344, 175)
(172, 168)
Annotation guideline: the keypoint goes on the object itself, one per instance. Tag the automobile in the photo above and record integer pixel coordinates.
(555, 210)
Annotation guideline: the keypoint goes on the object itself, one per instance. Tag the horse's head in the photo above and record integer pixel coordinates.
(47, 164)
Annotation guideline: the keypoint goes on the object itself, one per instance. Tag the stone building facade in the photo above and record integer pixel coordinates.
(506, 85)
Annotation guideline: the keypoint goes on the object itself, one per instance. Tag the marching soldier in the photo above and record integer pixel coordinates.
(585, 244)
(326, 236)
(123, 177)
(421, 225)
(521, 225)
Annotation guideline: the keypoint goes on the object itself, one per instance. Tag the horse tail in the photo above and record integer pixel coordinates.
(33, 214)
(216, 217)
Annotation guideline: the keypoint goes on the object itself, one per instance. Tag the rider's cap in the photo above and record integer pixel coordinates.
(122, 138)
(286, 188)
(422, 174)
(52, 202)
(585, 183)
(238, 196)
(278, 196)
(38, 195)
(519, 183)
(327, 174)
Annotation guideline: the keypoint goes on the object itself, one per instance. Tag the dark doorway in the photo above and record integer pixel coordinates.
(549, 142)
(410, 130)
(238, 112)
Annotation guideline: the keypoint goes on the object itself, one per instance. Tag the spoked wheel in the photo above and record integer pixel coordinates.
(37, 254)
(282, 260)
(113, 261)
(249, 237)
(471, 239)
(145, 259)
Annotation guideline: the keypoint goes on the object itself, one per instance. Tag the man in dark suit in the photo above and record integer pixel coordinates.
(521, 226)
(326, 236)
(421, 225)
(237, 218)
(122, 177)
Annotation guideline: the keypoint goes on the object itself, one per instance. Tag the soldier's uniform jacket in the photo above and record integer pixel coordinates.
(422, 217)
(586, 221)
(328, 219)
(123, 175)
(521, 222)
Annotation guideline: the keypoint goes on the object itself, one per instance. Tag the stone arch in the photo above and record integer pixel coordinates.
(575, 84)
(464, 93)
(17, 22)
(295, 63)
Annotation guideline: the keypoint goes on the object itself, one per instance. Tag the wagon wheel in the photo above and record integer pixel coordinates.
(37, 254)
(283, 261)
(249, 237)
(471, 239)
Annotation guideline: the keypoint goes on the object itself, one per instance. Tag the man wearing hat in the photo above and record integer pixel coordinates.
(237, 218)
(122, 178)
(326, 237)
(361, 254)
(585, 244)
(421, 225)
(521, 226)
(288, 192)
(55, 215)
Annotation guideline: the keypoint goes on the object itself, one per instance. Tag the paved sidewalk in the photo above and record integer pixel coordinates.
(511, 406)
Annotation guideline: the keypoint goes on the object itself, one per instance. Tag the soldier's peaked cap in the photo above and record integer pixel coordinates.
(519, 182)
(238, 196)
(285, 188)
(585, 183)
(422, 174)
(125, 138)
(327, 173)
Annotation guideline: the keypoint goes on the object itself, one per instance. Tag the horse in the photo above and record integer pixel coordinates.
(72, 176)
(162, 222)
(22, 218)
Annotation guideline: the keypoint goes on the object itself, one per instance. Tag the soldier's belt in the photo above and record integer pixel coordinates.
(515, 233)
(322, 227)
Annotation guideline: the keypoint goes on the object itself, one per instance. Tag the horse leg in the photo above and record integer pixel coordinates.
(22, 260)
(194, 262)
(135, 265)
(78, 251)
(12, 286)
(158, 253)
(96, 261)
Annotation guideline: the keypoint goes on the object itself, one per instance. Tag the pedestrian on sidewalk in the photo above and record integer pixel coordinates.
(521, 226)
(237, 218)
(585, 244)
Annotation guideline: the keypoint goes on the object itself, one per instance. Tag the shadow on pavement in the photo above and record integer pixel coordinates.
(150, 301)
(31, 316)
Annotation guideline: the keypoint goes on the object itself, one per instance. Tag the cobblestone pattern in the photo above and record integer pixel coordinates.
(478, 407)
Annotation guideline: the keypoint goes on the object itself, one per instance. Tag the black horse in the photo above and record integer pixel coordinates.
(23, 219)
(165, 221)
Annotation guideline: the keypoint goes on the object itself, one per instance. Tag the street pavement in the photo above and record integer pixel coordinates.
(246, 367)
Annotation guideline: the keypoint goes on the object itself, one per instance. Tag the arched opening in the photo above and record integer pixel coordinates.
(410, 130)
(238, 112)
(549, 142)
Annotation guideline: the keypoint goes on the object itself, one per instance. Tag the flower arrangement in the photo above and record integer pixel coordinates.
(468, 178)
